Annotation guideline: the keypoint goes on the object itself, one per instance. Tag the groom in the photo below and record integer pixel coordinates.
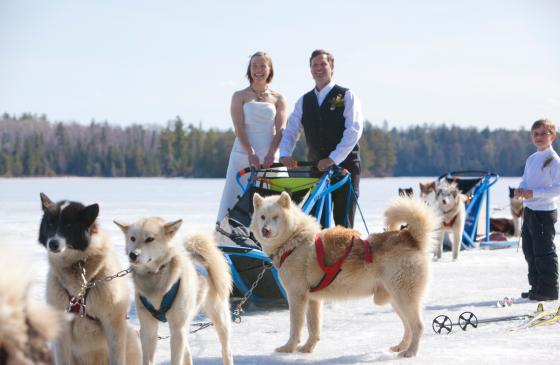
(331, 117)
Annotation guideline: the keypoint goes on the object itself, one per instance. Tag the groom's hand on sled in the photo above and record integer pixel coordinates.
(324, 164)
(288, 161)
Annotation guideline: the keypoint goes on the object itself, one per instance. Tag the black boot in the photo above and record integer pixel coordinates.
(543, 297)
(526, 294)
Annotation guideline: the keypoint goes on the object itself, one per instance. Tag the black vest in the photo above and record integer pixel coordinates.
(324, 126)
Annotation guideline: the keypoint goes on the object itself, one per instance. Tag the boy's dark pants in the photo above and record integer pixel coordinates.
(540, 252)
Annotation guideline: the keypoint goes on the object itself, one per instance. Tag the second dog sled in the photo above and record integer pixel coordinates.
(476, 187)
(252, 271)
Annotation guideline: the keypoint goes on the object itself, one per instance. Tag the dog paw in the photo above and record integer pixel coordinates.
(397, 348)
(287, 348)
(307, 348)
(407, 353)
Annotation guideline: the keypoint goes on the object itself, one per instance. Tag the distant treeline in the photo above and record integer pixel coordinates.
(31, 145)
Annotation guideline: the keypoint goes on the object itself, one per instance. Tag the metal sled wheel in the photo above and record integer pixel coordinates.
(442, 323)
(467, 319)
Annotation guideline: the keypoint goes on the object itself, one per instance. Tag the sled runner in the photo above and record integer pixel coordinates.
(252, 270)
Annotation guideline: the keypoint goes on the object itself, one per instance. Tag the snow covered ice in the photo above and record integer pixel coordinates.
(354, 332)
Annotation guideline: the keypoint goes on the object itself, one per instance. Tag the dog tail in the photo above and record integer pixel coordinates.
(421, 220)
(205, 252)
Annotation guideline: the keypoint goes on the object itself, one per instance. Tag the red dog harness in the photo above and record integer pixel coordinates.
(450, 223)
(331, 272)
(284, 257)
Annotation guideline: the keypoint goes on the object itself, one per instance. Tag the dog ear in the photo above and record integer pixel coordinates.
(46, 203)
(284, 200)
(89, 214)
(257, 200)
(511, 192)
(122, 226)
(172, 227)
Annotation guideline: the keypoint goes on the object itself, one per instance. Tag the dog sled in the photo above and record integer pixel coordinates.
(253, 274)
(475, 185)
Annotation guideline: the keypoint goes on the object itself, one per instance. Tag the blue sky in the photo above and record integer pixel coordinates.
(468, 63)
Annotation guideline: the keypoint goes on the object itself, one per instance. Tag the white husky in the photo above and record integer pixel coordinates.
(171, 286)
(391, 266)
(451, 205)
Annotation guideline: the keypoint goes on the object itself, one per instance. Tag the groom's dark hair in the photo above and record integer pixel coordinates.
(319, 52)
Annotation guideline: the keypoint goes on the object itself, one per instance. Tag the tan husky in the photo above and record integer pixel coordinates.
(26, 325)
(172, 285)
(391, 266)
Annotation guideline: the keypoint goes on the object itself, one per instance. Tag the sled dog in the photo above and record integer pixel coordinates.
(25, 325)
(392, 266)
(451, 205)
(406, 192)
(171, 285)
(516, 208)
(428, 192)
(78, 250)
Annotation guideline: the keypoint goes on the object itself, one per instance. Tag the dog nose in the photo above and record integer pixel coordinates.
(133, 255)
(266, 232)
(54, 245)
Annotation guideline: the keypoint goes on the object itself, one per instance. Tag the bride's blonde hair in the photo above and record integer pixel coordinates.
(267, 59)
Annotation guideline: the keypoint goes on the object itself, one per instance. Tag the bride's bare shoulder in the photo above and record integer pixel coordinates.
(241, 95)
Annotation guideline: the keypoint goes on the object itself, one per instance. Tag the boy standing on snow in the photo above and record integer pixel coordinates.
(540, 186)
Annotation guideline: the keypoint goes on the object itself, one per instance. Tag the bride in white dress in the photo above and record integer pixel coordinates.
(259, 116)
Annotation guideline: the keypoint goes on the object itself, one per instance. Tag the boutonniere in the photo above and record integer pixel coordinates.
(337, 102)
(547, 162)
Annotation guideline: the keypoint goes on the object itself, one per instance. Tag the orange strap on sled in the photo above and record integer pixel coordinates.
(331, 272)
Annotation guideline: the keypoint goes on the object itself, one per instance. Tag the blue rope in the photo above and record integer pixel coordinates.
(357, 204)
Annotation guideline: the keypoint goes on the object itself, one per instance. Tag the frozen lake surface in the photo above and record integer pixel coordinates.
(354, 332)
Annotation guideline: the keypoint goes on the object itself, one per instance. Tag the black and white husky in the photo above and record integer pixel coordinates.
(79, 253)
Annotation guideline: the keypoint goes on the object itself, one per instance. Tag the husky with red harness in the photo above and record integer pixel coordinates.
(335, 263)
(451, 205)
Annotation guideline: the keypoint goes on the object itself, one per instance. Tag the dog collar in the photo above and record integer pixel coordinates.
(166, 303)
(78, 306)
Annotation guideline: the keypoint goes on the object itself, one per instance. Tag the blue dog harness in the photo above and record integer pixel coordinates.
(168, 298)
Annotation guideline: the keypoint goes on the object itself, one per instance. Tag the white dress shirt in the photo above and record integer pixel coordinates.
(544, 181)
(353, 125)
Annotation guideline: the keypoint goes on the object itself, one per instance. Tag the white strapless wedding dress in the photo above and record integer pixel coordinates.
(259, 127)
